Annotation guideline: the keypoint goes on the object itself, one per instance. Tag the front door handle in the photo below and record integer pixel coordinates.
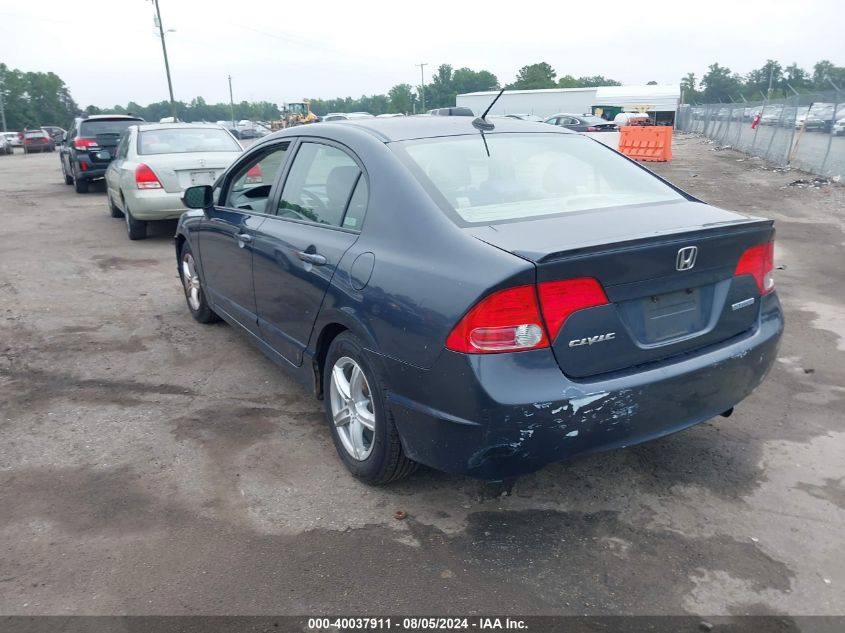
(312, 258)
(243, 239)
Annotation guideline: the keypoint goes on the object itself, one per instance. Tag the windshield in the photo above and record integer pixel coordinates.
(527, 176)
(186, 140)
(90, 129)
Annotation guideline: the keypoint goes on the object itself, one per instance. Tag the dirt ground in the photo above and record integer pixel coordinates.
(153, 465)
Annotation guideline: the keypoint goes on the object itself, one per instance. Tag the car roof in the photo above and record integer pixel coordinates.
(145, 127)
(420, 126)
(94, 117)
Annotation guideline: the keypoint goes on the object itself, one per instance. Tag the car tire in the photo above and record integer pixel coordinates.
(68, 179)
(380, 458)
(192, 285)
(135, 229)
(114, 211)
(81, 185)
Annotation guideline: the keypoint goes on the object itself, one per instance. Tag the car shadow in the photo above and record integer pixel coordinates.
(163, 230)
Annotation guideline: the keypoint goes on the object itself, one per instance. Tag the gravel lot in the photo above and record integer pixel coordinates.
(153, 465)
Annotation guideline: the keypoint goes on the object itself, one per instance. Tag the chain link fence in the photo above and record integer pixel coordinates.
(805, 131)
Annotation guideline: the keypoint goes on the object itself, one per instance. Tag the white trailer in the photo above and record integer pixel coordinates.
(543, 103)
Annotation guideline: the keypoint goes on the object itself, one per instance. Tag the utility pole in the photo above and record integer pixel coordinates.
(422, 84)
(166, 63)
(231, 102)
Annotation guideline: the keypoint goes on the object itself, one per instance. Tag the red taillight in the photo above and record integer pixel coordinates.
(758, 261)
(509, 320)
(560, 299)
(506, 321)
(145, 177)
(253, 175)
(85, 143)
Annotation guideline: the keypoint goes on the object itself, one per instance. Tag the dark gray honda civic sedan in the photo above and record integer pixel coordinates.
(482, 301)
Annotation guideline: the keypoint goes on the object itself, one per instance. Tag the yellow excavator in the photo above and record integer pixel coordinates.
(297, 113)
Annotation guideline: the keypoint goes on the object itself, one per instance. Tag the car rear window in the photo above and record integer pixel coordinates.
(527, 176)
(90, 129)
(35, 134)
(186, 140)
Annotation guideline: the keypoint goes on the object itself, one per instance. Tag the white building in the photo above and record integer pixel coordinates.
(661, 99)
(542, 103)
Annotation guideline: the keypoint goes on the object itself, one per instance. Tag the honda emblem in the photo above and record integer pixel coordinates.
(686, 258)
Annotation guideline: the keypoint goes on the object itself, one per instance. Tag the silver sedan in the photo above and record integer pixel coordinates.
(155, 163)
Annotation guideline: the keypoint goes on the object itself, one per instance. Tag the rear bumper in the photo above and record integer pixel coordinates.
(502, 415)
(155, 204)
(91, 172)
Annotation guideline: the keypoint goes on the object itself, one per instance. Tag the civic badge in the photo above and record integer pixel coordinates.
(686, 258)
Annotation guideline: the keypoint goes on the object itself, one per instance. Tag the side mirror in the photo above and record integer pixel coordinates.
(198, 197)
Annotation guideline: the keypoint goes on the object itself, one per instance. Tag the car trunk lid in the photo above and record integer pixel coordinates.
(667, 272)
(177, 172)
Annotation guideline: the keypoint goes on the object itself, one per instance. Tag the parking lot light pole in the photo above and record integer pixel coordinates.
(422, 84)
(166, 63)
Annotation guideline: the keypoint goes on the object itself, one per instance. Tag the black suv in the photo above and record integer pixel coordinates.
(88, 147)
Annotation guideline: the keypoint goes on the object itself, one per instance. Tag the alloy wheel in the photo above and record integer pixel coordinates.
(353, 412)
(191, 281)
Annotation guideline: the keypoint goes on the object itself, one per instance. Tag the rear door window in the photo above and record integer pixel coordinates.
(123, 145)
(319, 185)
(354, 217)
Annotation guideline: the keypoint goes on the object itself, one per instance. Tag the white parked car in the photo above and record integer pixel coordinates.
(346, 116)
(154, 164)
(14, 139)
(839, 127)
(631, 118)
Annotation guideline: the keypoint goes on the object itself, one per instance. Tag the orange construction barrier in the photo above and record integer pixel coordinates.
(649, 143)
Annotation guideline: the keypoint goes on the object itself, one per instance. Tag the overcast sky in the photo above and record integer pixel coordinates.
(107, 51)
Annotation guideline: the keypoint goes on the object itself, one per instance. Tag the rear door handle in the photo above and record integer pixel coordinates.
(312, 258)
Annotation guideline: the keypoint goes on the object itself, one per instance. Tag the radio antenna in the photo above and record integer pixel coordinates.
(481, 123)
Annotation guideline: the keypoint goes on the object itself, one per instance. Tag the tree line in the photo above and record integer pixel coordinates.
(446, 83)
(33, 99)
(771, 81)
(196, 110)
